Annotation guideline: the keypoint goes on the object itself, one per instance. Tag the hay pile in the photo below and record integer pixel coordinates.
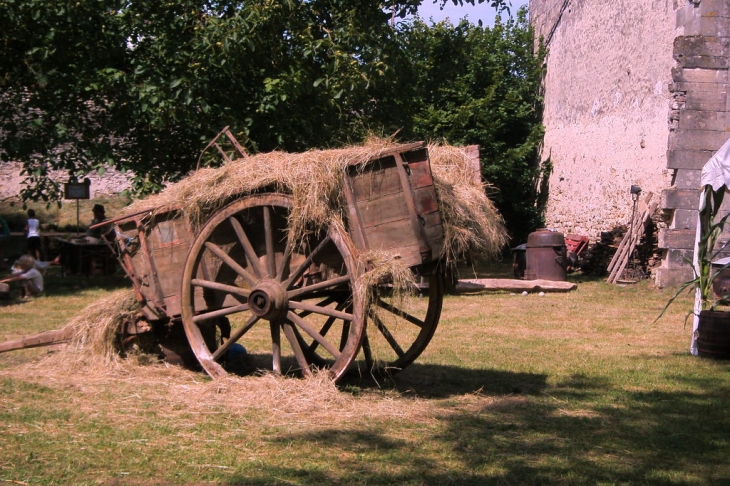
(471, 221)
(315, 178)
(94, 331)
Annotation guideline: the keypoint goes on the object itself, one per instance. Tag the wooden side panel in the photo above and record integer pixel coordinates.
(137, 263)
(157, 250)
(378, 178)
(170, 241)
(434, 232)
(383, 203)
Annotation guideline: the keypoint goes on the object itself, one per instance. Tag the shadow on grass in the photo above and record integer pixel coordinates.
(57, 286)
(439, 381)
(580, 277)
(582, 432)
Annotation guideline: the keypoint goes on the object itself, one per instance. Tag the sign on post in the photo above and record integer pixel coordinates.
(77, 190)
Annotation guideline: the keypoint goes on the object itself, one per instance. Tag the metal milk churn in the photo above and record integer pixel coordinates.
(546, 256)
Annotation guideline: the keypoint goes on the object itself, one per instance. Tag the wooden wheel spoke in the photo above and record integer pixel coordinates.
(315, 309)
(322, 303)
(367, 352)
(327, 284)
(275, 347)
(401, 313)
(235, 337)
(291, 336)
(303, 267)
(220, 313)
(345, 332)
(302, 343)
(230, 289)
(269, 238)
(247, 247)
(286, 260)
(295, 319)
(218, 251)
(326, 327)
(387, 335)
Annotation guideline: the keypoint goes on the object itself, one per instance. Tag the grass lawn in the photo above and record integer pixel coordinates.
(565, 388)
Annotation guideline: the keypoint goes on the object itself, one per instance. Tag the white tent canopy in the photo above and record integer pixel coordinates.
(715, 173)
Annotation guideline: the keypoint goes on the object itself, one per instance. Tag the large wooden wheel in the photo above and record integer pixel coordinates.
(244, 267)
(399, 327)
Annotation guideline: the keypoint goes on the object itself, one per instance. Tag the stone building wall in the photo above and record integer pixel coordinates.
(606, 105)
(635, 94)
(112, 182)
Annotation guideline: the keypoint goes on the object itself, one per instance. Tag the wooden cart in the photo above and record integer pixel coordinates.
(240, 282)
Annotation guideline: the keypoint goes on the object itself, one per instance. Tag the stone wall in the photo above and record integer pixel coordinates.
(606, 106)
(636, 93)
(112, 182)
(700, 123)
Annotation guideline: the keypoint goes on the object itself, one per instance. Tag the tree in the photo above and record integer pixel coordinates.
(144, 85)
(474, 85)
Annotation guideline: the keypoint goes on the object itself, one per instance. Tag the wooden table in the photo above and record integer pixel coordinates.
(83, 257)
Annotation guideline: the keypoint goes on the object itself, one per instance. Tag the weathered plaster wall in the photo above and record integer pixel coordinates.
(606, 106)
(112, 182)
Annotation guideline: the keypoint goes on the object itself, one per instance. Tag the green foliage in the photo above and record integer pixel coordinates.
(474, 85)
(704, 275)
(710, 230)
(145, 85)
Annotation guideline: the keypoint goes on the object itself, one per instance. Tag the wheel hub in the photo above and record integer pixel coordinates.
(268, 300)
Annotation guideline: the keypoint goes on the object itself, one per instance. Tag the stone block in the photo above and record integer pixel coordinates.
(693, 86)
(699, 25)
(684, 219)
(688, 159)
(699, 75)
(704, 120)
(701, 45)
(707, 100)
(683, 15)
(697, 140)
(687, 179)
(717, 9)
(679, 199)
(666, 277)
(678, 258)
(677, 239)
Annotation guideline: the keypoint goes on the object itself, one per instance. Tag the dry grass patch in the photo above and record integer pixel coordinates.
(493, 399)
(174, 392)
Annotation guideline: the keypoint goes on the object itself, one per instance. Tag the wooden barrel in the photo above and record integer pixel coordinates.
(713, 335)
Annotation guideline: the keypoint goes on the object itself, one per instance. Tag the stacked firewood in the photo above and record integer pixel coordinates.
(596, 258)
(645, 257)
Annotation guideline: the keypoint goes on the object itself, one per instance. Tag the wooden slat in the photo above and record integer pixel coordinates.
(384, 210)
(512, 285)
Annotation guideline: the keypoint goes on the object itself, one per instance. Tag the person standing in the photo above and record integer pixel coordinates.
(33, 234)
